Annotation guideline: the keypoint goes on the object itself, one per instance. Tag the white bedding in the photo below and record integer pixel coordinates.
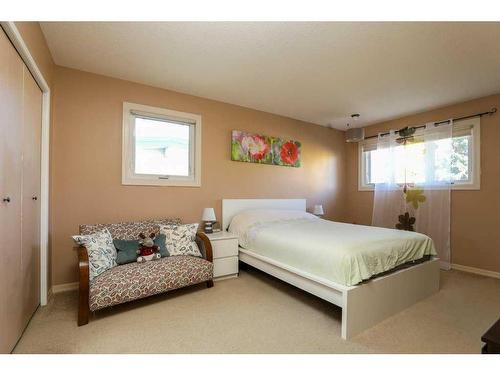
(339, 252)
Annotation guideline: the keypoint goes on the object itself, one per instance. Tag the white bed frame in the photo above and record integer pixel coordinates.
(362, 305)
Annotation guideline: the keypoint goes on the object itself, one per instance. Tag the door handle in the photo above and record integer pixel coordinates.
(34, 198)
(6, 199)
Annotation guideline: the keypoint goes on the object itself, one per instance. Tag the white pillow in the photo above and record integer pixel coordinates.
(180, 239)
(101, 251)
(245, 220)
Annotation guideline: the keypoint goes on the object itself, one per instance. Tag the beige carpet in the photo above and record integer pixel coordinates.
(256, 313)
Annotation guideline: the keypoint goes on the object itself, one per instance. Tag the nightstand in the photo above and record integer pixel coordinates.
(225, 254)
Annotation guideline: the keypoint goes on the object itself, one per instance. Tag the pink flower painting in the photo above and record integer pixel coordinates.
(256, 148)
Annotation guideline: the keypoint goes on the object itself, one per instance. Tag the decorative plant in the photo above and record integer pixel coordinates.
(406, 222)
(415, 197)
(405, 135)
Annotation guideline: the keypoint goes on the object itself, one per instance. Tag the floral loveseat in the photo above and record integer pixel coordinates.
(133, 281)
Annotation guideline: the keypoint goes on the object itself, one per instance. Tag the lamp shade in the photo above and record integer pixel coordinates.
(318, 209)
(208, 214)
(355, 134)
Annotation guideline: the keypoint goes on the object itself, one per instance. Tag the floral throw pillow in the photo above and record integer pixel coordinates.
(101, 251)
(180, 239)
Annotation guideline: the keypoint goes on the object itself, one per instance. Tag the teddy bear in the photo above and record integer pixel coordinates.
(147, 249)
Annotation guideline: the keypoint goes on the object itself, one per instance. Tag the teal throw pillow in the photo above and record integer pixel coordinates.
(127, 249)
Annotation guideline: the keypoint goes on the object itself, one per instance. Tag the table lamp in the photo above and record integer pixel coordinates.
(209, 218)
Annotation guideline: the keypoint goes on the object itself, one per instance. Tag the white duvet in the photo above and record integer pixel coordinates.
(339, 252)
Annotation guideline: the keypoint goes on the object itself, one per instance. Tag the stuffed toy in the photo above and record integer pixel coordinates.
(147, 249)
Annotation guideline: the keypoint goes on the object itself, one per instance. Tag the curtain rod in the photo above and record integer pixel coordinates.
(491, 112)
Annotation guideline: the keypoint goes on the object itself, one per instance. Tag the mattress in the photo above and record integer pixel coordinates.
(343, 253)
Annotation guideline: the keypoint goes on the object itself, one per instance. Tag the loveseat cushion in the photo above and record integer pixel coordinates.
(101, 251)
(181, 239)
(138, 280)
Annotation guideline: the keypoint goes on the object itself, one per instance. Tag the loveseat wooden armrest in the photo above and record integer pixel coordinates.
(206, 248)
(83, 290)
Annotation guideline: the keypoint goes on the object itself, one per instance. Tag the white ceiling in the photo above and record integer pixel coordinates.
(317, 72)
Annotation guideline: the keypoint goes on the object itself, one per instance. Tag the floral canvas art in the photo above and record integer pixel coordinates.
(286, 153)
(256, 148)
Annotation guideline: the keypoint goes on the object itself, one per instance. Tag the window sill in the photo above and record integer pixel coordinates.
(160, 182)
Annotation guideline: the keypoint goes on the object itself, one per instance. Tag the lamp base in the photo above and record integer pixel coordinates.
(208, 227)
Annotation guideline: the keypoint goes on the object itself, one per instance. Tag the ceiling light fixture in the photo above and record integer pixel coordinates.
(354, 134)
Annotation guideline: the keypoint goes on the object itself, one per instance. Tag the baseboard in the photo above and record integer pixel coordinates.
(64, 287)
(220, 278)
(477, 271)
(446, 266)
(50, 294)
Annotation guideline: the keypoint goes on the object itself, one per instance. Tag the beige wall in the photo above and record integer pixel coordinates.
(35, 41)
(475, 215)
(86, 161)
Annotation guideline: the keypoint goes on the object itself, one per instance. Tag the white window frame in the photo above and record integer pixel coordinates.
(474, 184)
(129, 177)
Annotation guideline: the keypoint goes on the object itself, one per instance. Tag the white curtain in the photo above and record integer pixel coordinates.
(389, 200)
(412, 185)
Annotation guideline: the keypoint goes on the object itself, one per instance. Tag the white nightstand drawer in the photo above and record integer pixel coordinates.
(225, 254)
(225, 266)
(225, 248)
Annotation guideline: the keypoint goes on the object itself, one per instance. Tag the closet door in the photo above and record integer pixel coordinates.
(30, 252)
(11, 124)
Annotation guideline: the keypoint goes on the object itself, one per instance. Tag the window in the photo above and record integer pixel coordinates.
(465, 159)
(160, 147)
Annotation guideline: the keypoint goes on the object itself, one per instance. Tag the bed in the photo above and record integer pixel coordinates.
(371, 273)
